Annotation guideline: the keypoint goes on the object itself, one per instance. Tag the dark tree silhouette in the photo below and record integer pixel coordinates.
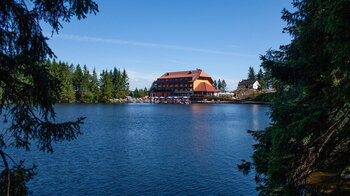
(28, 90)
(310, 132)
(251, 73)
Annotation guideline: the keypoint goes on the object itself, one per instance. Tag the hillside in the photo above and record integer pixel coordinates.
(254, 95)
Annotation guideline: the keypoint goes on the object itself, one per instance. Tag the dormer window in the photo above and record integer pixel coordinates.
(190, 72)
(167, 74)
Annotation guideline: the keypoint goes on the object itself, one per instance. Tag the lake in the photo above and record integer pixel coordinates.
(151, 149)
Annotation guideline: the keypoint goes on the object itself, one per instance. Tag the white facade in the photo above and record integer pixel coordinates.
(245, 84)
(256, 85)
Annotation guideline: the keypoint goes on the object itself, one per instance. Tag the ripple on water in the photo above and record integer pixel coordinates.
(145, 149)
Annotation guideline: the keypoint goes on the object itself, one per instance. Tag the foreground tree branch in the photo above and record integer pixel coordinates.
(310, 132)
(27, 89)
(8, 173)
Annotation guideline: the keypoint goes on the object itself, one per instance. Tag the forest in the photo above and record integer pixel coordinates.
(78, 85)
(310, 130)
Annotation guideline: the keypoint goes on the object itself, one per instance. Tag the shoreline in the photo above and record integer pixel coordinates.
(235, 102)
(193, 102)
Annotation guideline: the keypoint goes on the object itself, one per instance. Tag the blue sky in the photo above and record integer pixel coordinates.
(151, 37)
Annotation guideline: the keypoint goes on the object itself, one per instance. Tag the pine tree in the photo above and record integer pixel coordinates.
(259, 75)
(310, 131)
(61, 72)
(260, 78)
(85, 83)
(86, 95)
(54, 71)
(219, 85)
(251, 73)
(77, 82)
(67, 89)
(125, 83)
(215, 84)
(153, 86)
(146, 92)
(72, 69)
(120, 85)
(106, 87)
(136, 93)
(267, 79)
(27, 84)
(117, 83)
(223, 86)
(94, 87)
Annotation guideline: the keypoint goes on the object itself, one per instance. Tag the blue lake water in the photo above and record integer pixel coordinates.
(151, 149)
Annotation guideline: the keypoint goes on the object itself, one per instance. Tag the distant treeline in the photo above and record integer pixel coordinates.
(77, 85)
(220, 85)
(139, 92)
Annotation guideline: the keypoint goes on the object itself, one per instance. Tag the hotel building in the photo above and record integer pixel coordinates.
(194, 83)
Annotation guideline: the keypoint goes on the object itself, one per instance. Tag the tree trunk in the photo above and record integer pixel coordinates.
(8, 172)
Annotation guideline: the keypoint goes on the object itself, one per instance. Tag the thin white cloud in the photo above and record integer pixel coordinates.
(138, 75)
(145, 44)
(231, 83)
(141, 80)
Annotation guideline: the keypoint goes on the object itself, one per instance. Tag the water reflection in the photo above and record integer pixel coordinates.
(200, 128)
(255, 116)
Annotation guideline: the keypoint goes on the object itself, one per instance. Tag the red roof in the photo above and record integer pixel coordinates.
(205, 87)
(203, 74)
(184, 74)
(181, 74)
